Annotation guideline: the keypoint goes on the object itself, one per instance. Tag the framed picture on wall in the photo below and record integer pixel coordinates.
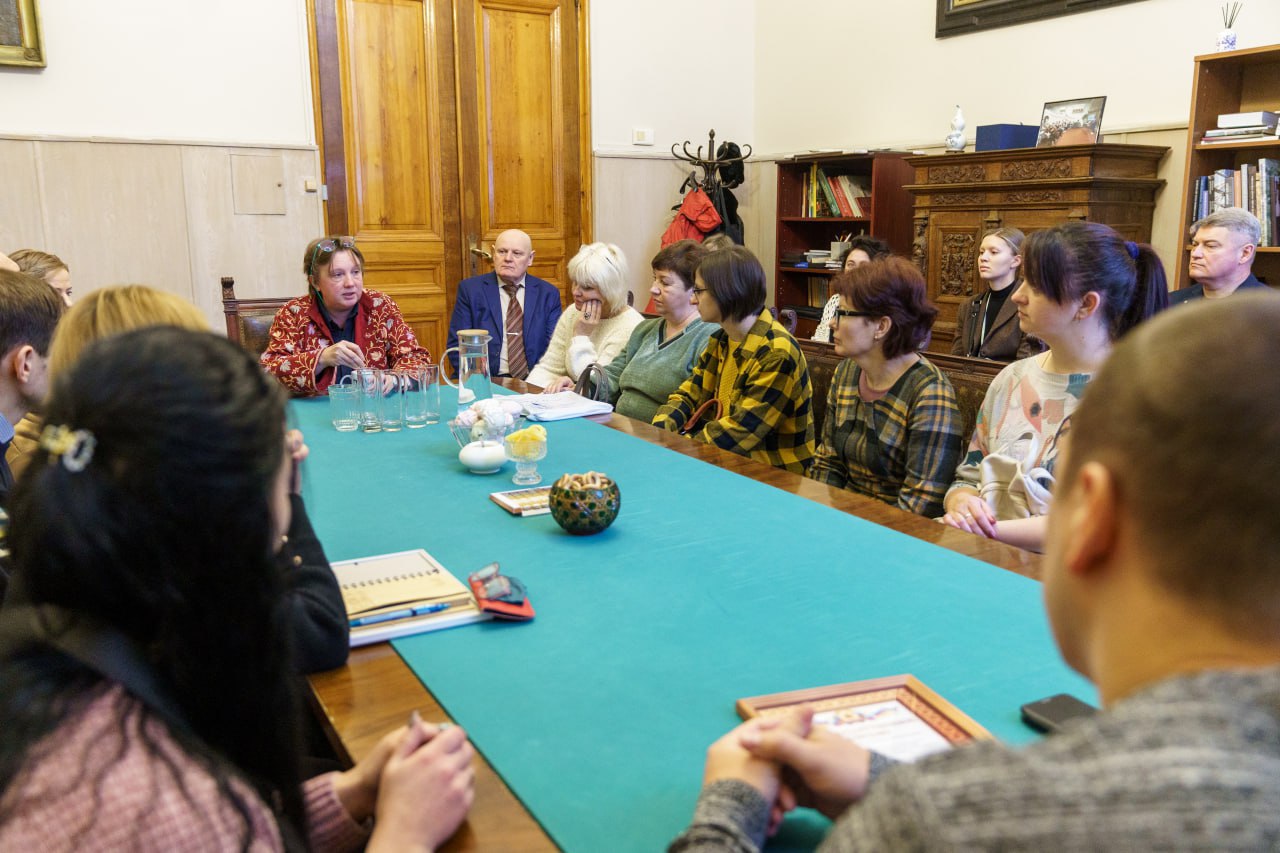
(20, 33)
(958, 17)
(1074, 122)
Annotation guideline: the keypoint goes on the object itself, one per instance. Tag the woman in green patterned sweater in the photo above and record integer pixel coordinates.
(893, 429)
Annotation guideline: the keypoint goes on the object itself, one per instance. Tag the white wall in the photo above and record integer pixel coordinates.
(892, 84)
(232, 71)
(679, 67)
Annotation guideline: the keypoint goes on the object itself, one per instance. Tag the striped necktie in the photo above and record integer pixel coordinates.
(517, 365)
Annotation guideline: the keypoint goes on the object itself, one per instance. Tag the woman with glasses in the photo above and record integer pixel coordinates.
(863, 249)
(597, 326)
(750, 391)
(145, 680)
(893, 429)
(338, 326)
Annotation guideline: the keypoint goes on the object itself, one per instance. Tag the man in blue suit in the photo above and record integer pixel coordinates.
(485, 302)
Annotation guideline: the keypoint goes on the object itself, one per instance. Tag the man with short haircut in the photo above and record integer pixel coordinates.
(518, 310)
(29, 311)
(1222, 252)
(1162, 585)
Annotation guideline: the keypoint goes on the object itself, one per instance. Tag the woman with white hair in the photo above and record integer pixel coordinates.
(598, 325)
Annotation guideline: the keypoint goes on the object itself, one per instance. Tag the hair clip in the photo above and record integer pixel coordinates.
(73, 446)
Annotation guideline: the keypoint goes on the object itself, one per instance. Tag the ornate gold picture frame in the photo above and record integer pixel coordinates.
(20, 34)
(957, 17)
(897, 716)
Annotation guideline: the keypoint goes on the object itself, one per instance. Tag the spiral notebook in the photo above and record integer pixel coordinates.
(387, 589)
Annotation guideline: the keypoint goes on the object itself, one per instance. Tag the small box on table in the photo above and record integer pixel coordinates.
(999, 137)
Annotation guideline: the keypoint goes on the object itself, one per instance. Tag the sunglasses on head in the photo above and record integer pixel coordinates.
(330, 245)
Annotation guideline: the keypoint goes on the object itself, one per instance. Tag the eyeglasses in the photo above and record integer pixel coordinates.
(700, 290)
(840, 312)
(329, 246)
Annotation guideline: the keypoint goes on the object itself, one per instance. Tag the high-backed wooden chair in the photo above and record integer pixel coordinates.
(969, 376)
(788, 318)
(248, 320)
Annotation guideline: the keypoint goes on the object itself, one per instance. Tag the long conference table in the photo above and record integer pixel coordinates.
(721, 578)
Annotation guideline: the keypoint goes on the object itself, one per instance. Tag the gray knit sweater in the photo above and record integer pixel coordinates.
(1192, 763)
(643, 376)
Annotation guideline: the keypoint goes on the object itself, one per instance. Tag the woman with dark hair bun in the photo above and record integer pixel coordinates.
(1084, 287)
(893, 429)
(145, 681)
(750, 391)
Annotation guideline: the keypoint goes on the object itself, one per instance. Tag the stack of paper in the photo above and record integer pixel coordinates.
(560, 406)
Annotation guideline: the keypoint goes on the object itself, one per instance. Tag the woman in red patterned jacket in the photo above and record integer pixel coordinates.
(338, 326)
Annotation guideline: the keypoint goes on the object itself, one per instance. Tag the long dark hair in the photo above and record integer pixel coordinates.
(163, 538)
(1069, 260)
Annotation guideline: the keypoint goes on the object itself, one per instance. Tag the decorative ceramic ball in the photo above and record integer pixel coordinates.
(585, 503)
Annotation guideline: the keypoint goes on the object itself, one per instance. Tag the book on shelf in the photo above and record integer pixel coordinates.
(842, 201)
(1232, 132)
(858, 193)
(1255, 187)
(395, 595)
(824, 184)
(1256, 117)
(819, 291)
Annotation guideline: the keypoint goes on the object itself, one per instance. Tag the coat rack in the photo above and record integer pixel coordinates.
(710, 165)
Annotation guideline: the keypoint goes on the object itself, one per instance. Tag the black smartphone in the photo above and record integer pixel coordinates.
(1048, 715)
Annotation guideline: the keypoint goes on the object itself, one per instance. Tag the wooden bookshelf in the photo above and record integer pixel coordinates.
(886, 174)
(1230, 82)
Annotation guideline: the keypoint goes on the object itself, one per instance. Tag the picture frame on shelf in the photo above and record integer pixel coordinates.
(897, 716)
(20, 42)
(1074, 122)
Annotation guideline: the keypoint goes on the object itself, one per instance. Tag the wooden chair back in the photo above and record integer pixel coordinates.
(969, 376)
(249, 320)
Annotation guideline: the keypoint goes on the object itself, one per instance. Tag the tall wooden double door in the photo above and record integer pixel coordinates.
(443, 123)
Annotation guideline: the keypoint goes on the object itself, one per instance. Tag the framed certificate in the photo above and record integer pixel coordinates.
(896, 716)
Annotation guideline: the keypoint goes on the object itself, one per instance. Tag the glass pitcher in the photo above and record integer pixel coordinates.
(473, 366)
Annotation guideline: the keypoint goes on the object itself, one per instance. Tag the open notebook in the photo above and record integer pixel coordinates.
(386, 590)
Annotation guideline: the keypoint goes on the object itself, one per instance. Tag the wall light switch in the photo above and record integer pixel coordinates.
(309, 185)
(641, 136)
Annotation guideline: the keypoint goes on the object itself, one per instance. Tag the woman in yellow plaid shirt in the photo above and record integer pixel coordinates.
(750, 390)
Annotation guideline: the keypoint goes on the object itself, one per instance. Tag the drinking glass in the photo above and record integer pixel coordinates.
(344, 405)
(369, 380)
(391, 406)
(422, 396)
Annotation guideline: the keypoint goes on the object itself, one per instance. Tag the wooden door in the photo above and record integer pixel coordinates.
(443, 123)
(519, 127)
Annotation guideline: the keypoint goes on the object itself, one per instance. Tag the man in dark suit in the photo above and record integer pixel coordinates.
(29, 311)
(518, 310)
(1222, 252)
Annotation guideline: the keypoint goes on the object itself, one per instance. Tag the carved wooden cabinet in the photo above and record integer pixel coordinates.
(959, 197)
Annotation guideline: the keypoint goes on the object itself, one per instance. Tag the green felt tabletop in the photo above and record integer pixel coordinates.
(709, 587)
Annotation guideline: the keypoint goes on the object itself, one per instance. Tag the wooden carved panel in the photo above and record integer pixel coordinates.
(961, 174)
(1033, 196)
(955, 269)
(394, 126)
(920, 244)
(956, 199)
(1035, 170)
(519, 73)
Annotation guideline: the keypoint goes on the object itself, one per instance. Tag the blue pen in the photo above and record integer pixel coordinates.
(398, 614)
